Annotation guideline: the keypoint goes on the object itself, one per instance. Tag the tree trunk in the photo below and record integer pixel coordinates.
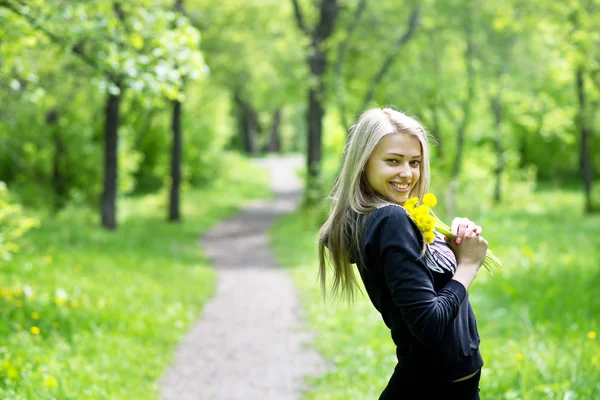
(274, 145)
(584, 154)
(314, 119)
(176, 150)
(109, 194)
(317, 61)
(248, 123)
(58, 179)
(496, 105)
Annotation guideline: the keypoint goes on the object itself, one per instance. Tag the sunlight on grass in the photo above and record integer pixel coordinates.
(538, 318)
(88, 313)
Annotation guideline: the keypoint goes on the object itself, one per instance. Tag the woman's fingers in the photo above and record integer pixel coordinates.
(463, 227)
(455, 223)
(461, 230)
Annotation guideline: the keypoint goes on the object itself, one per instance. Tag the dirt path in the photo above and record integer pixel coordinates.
(249, 342)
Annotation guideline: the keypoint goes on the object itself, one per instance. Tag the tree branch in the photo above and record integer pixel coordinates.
(329, 10)
(339, 62)
(413, 23)
(35, 24)
(299, 17)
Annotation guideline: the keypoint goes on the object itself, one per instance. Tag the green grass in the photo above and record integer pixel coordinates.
(538, 318)
(92, 314)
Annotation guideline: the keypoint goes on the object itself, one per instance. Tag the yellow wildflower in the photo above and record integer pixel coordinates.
(520, 357)
(35, 315)
(48, 259)
(75, 303)
(35, 330)
(50, 382)
(429, 237)
(410, 203)
(591, 335)
(429, 200)
(421, 216)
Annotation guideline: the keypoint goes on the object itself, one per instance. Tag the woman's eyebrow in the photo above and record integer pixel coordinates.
(400, 155)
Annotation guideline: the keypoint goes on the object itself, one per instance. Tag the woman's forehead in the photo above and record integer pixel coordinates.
(401, 144)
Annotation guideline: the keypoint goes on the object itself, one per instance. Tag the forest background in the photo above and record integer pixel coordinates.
(127, 128)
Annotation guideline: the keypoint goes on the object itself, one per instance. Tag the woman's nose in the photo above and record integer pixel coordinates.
(404, 171)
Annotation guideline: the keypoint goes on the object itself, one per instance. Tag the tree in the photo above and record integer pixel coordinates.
(317, 61)
(128, 47)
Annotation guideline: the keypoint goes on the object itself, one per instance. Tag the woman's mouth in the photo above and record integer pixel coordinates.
(401, 187)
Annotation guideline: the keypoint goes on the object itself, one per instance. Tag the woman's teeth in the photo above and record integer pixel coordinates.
(400, 186)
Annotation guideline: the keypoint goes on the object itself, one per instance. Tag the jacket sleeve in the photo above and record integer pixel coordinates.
(410, 282)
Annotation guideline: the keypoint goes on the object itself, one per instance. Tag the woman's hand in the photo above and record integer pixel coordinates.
(470, 249)
(463, 228)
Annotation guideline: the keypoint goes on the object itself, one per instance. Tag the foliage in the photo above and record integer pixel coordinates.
(14, 224)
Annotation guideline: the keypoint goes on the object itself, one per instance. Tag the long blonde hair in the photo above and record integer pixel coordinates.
(351, 197)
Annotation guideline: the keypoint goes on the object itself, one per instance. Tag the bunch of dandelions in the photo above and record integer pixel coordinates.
(422, 216)
(428, 222)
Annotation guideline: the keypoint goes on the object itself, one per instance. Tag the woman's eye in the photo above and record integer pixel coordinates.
(415, 163)
(392, 161)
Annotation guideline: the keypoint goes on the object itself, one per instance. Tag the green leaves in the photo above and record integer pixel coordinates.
(140, 45)
(13, 225)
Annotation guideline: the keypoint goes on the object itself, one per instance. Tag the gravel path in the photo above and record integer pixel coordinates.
(249, 342)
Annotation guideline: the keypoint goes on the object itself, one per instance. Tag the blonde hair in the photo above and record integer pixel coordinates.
(351, 197)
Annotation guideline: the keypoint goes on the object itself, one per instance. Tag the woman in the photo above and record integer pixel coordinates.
(419, 289)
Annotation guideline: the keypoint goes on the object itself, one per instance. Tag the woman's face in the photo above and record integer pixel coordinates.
(393, 169)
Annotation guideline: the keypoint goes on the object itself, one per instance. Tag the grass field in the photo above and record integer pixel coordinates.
(538, 318)
(92, 314)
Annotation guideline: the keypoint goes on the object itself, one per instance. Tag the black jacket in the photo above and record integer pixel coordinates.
(429, 314)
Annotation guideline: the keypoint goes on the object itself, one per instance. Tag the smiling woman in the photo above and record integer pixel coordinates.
(419, 289)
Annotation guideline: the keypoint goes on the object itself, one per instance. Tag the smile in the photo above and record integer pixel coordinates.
(401, 187)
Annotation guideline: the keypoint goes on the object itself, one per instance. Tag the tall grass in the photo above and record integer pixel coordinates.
(538, 318)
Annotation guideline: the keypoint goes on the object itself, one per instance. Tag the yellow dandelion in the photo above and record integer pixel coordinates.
(60, 301)
(520, 357)
(48, 259)
(35, 315)
(75, 304)
(50, 382)
(429, 200)
(35, 330)
(429, 237)
(591, 335)
(410, 203)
